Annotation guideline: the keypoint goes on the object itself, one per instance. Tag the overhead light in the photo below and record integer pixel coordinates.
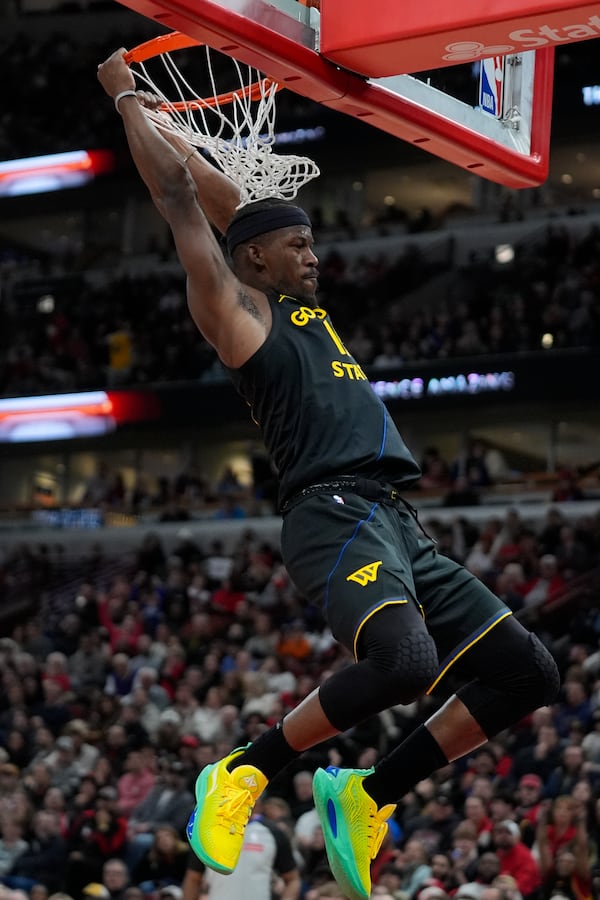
(547, 340)
(566, 178)
(504, 253)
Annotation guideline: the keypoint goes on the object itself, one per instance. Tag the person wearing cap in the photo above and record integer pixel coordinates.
(529, 792)
(352, 545)
(516, 858)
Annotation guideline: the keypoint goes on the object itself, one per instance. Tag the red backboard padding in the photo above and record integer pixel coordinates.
(229, 26)
(396, 38)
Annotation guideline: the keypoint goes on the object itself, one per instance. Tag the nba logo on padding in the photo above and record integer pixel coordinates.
(491, 85)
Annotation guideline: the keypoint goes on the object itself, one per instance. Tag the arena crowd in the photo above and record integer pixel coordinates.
(130, 673)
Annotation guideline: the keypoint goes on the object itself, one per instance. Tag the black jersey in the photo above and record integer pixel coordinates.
(317, 412)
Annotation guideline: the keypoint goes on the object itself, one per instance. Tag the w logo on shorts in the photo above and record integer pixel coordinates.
(366, 574)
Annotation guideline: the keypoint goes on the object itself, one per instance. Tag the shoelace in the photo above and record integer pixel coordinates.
(235, 809)
(377, 829)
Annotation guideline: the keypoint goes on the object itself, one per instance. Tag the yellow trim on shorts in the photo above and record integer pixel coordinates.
(372, 613)
(464, 650)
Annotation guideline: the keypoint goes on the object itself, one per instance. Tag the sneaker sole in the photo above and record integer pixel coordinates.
(327, 810)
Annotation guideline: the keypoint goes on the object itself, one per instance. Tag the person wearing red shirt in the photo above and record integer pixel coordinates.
(516, 858)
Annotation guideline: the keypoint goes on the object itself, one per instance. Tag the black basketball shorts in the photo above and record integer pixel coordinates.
(351, 556)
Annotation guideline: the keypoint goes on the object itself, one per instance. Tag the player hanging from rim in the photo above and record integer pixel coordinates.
(349, 540)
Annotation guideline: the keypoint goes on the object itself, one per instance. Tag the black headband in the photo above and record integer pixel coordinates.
(263, 221)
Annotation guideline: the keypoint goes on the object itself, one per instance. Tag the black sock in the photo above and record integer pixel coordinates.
(270, 753)
(397, 773)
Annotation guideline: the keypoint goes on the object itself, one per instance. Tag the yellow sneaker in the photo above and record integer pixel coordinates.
(224, 804)
(353, 826)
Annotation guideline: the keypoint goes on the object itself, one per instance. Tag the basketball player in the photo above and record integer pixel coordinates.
(349, 540)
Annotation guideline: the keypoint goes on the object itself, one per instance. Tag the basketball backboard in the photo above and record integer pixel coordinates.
(304, 50)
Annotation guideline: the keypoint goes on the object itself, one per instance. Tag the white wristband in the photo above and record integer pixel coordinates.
(120, 96)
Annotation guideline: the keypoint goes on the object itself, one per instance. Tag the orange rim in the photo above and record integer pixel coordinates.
(166, 43)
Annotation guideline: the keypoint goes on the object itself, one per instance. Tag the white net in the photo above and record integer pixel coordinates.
(236, 129)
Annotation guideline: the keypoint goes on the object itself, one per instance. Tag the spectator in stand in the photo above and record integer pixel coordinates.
(416, 870)
(563, 846)
(390, 880)
(480, 559)
(135, 783)
(168, 801)
(84, 798)
(64, 771)
(530, 794)
(56, 669)
(55, 710)
(120, 677)
(116, 878)
(502, 805)
(567, 488)
(464, 852)
(85, 755)
(565, 777)
(12, 843)
(470, 464)
(591, 743)
(98, 834)
(164, 862)
(488, 868)
(44, 860)
(557, 824)
(294, 644)
(56, 803)
(302, 800)
(435, 825)
(442, 872)
(516, 858)
(540, 756)
(574, 707)
(542, 589)
(475, 812)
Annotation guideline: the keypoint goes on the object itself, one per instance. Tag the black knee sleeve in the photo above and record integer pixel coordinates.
(515, 675)
(393, 669)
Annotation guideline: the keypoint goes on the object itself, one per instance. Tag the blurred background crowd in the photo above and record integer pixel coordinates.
(126, 669)
(134, 670)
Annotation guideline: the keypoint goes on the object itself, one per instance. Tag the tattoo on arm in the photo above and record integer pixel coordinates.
(247, 303)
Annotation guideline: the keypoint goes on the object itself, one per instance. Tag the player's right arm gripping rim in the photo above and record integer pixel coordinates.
(215, 296)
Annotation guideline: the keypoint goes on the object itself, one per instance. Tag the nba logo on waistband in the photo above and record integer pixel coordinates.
(491, 85)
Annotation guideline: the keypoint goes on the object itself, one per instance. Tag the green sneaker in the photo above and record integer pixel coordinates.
(224, 804)
(353, 826)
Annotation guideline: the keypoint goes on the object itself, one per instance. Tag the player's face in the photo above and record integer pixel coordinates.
(292, 264)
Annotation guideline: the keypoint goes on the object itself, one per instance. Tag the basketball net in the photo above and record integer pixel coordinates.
(236, 129)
